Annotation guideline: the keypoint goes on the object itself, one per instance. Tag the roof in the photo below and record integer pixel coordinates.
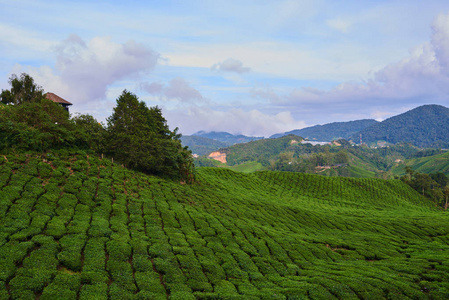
(57, 99)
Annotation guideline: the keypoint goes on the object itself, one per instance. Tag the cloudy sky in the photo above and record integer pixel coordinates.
(250, 67)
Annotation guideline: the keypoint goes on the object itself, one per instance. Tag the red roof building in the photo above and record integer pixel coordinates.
(55, 98)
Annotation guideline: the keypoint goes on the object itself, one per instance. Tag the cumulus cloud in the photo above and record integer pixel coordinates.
(236, 121)
(177, 89)
(231, 65)
(91, 67)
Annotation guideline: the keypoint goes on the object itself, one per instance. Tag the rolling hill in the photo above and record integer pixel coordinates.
(331, 131)
(75, 226)
(424, 126)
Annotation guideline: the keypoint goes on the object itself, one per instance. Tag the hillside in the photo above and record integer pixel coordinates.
(201, 145)
(73, 226)
(432, 164)
(424, 126)
(331, 131)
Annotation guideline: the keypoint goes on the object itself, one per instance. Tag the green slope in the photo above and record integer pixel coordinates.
(432, 164)
(82, 228)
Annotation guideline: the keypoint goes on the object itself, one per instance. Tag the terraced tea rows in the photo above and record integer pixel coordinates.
(83, 228)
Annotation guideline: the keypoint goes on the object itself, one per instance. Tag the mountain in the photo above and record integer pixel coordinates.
(331, 131)
(424, 126)
(201, 145)
(80, 227)
(228, 138)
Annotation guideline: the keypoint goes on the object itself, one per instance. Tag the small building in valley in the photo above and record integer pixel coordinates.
(55, 98)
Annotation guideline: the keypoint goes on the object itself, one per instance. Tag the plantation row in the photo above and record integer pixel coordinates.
(80, 227)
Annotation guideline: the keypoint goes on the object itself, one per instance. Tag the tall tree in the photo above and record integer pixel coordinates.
(140, 138)
(23, 90)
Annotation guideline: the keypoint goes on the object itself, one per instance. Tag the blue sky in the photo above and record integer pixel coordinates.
(250, 67)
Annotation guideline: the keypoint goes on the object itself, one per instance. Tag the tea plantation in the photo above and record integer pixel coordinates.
(79, 227)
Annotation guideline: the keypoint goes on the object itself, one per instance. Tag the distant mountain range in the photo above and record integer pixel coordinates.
(225, 137)
(424, 126)
(203, 143)
(330, 132)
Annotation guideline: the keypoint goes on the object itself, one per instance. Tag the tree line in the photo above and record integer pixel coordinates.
(134, 135)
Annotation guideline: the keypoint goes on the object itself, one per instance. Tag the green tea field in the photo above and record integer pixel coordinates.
(79, 227)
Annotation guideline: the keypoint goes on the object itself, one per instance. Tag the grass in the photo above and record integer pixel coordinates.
(80, 227)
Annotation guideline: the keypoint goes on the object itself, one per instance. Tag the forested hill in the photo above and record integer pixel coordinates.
(424, 126)
(75, 226)
(331, 131)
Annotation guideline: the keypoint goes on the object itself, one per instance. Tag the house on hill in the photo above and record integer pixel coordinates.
(55, 98)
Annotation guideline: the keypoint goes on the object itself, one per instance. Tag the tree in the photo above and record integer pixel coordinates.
(92, 131)
(139, 137)
(23, 90)
(446, 197)
(440, 178)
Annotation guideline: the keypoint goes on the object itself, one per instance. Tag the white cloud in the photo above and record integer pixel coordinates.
(92, 67)
(339, 24)
(266, 92)
(236, 121)
(85, 70)
(177, 89)
(16, 38)
(231, 65)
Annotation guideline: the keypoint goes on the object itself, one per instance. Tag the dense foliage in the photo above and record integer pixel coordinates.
(80, 227)
(424, 126)
(330, 132)
(434, 186)
(38, 126)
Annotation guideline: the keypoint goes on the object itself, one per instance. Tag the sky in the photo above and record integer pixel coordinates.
(245, 67)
